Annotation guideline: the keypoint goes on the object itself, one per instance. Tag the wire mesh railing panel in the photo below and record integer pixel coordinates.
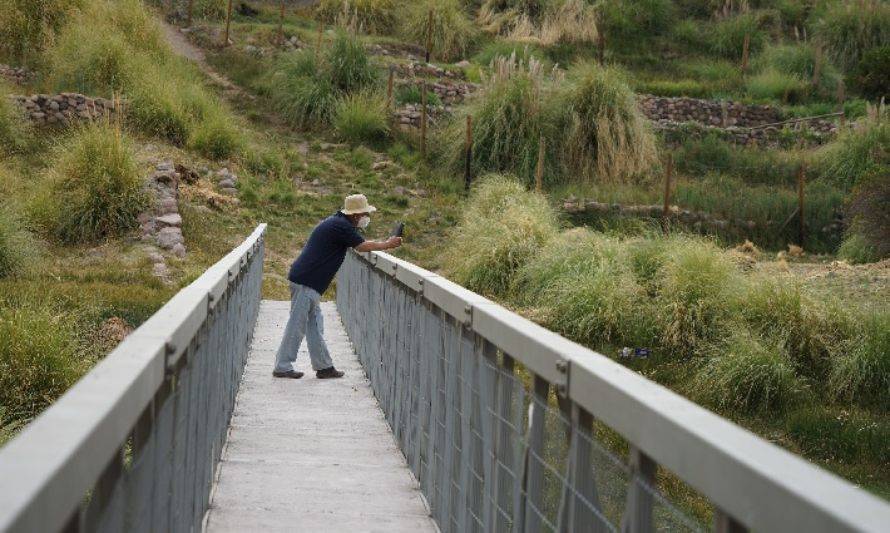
(493, 447)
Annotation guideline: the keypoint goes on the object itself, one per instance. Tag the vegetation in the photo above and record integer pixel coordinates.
(362, 117)
(372, 16)
(453, 35)
(849, 29)
(29, 26)
(17, 247)
(94, 189)
(14, 134)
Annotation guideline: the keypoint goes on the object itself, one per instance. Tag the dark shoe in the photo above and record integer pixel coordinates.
(326, 373)
(293, 374)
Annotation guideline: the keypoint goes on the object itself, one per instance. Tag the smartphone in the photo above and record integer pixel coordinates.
(398, 229)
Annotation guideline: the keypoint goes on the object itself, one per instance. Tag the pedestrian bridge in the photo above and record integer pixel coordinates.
(455, 415)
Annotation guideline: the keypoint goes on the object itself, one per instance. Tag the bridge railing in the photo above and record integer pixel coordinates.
(133, 445)
(510, 427)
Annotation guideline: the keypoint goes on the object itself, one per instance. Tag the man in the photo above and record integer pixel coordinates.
(310, 276)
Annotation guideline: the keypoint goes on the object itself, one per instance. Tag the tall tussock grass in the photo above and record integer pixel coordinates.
(17, 246)
(453, 34)
(28, 27)
(501, 228)
(372, 16)
(93, 189)
(750, 343)
(117, 49)
(850, 28)
(362, 117)
(15, 132)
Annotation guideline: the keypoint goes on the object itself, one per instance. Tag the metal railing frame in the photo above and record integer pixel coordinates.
(134, 444)
(751, 483)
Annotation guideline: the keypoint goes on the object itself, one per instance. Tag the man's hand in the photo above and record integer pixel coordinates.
(393, 242)
(388, 244)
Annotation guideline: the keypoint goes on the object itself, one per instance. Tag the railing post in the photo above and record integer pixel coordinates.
(582, 512)
(723, 523)
(638, 514)
(534, 482)
(503, 445)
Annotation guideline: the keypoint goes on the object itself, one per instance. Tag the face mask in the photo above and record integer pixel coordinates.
(364, 221)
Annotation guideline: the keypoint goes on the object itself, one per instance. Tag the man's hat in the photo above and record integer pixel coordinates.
(357, 203)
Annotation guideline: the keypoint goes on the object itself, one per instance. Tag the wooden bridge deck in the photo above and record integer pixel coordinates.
(311, 454)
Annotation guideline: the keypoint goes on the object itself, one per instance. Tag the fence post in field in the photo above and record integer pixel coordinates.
(539, 170)
(318, 41)
(817, 65)
(281, 23)
(190, 13)
(389, 91)
(468, 178)
(429, 35)
(840, 101)
(668, 175)
(801, 176)
(745, 45)
(423, 120)
(228, 23)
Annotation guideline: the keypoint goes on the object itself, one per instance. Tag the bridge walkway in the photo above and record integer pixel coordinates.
(311, 454)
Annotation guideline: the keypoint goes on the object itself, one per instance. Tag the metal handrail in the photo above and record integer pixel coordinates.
(71, 466)
(751, 483)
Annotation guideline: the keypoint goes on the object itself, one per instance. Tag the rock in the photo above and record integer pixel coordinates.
(167, 205)
(400, 191)
(155, 257)
(172, 219)
(169, 237)
(226, 183)
(159, 270)
(381, 165)
(179, 250)
(166, 166)
(462, 64)
(229, 190)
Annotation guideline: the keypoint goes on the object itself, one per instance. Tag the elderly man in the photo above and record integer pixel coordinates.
(310, 276)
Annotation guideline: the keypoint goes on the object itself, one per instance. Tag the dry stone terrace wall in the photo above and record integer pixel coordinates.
(64, 108)
(711, 112)
(16, 75)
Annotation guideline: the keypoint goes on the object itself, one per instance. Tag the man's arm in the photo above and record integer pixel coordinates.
(372, 246)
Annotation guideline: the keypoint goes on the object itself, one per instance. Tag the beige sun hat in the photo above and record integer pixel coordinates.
(357, 203)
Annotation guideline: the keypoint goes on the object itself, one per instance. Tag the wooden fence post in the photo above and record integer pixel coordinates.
(668, 175)
(745, 45)
(423, 120)
(228, 23)
(429, 35)
(189, 14)
(801, 175)
(281, 24)
(539, 170)
(318, 41)
(469, 153)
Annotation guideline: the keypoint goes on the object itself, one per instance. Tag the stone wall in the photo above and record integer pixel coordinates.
(812, 133)
(723, 113)
(414, 69)
(16, 75)
(450, 92)
(407, 117)
(63, 109)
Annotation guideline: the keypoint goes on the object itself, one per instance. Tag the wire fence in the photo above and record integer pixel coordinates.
(492, 445)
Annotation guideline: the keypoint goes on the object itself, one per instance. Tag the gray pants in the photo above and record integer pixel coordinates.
(305, 320)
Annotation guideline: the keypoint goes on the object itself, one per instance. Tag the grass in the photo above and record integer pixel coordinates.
(411, 94)
(782, 86)
(29, 26)
(362, 117)
(849, 29)
(453, 35)
(857, 153)
(15, 134)
(862, 372)
(94, 188)
(371, 16)
(17, 246)
(800, 61)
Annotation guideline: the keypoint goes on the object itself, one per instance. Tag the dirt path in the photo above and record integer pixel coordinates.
(181, 46)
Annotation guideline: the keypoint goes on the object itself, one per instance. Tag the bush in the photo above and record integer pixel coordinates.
(636, 19)
(867, 209)
(453, 34)
(17, 248)
(799, 61)
(778, 85)
(372, 16)
(29, 26)
(502, 227)
(696, 289)
(870, 75)
(856, 249)
(217, 138)
(94, 189)
(523, 52)
(862, 372)
(608, 137)
(40, 357)
(362, 117)
(301, 92)
(848, 29)
(347, 64)
(748, 373)
(516, 107)
(857, 153)
(727, 37)
(411, 94)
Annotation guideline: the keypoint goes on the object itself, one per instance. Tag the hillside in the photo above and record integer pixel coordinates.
(139, 148)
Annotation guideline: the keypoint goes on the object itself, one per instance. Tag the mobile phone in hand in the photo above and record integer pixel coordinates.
(398, 229)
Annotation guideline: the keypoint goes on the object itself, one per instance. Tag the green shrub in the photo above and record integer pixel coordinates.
(17, 247)
(155, 108)
(411, 94)
(503, 48)
(696, 290)
(749, 373)
(362, 117)
(777, 85)
(29, 26)
(608, 137)
(862, 372)
(516, 107)
(302, 93)
(848, 29)
(453, 34)
(372, 16)
(93, 189)
(348, 64)
(727, 36)
(502, 227)
(799, 61)
(93, 63)
(857, 250)
(40, 357)
(217, 138)
(635, 19)
(867, 210)
(870, 75)
(857, 153)
(683, 87)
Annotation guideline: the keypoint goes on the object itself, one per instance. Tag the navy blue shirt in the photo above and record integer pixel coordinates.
(324, 252)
